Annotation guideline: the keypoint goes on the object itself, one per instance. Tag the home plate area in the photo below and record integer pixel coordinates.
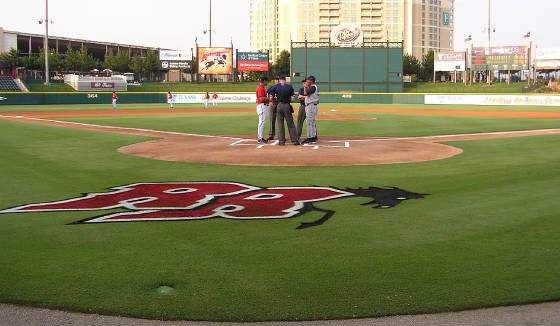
(328, 144)
(328, 151)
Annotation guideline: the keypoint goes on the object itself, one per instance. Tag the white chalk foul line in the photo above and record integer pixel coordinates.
(550, 131)
(123, 128)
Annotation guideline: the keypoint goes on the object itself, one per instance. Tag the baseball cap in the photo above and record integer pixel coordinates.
(282, 78)
(312, 78)
(276, 77)
(303, 81)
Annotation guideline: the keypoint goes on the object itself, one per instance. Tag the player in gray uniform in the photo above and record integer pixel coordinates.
(301, 111)
(311, 95)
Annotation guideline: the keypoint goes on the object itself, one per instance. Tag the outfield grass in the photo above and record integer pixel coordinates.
(323, 106)
(486, 235)
(385, 125)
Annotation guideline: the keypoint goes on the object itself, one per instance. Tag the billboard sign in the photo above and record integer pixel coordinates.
(215, 61)
(252, 61)
(167, 55)
(175, 65)
(449, 61)
(500, 58)
(347, 35)
(547, 59)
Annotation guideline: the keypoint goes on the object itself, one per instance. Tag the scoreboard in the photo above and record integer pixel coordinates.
(500, 58)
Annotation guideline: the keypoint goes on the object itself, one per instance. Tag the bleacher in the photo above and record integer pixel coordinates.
(7, 84)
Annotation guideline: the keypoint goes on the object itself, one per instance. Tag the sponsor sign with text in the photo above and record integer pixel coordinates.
(533, 100)
(252, 61)
(547, 58)
(222, 98)
(102, 85)
(449, 61)
(347, 35)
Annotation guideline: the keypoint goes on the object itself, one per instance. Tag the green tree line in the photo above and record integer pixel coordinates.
(420, 71)
(83, 61)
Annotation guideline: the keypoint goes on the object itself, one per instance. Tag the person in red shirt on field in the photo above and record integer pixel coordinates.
(215, 99)
(170, 100)
(206, 99)
(262, 108)
(115, 97)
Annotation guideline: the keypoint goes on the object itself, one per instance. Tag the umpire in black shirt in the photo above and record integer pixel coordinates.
(285, 94)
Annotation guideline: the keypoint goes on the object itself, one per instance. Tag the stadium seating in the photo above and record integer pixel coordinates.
(7, 84)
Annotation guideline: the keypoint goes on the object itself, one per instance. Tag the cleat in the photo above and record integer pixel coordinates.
(270, 138)
(296, 143)
(306, 141)
(282, 143)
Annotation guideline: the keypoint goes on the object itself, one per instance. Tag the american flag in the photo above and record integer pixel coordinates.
(527, 35)
(468, 39)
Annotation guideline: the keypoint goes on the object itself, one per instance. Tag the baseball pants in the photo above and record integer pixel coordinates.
(283, 112)
(300, 120)
(114, 104)
(272, 113)
(311, 113)
(262, 110)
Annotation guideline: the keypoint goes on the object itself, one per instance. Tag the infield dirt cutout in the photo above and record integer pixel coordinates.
(244, 150)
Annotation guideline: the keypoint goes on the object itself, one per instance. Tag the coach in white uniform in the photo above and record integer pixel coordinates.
(311, 94)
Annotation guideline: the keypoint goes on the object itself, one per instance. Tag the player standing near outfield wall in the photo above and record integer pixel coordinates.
(311, 94)
(114, 100)
(272, 108)
(170, 100)
(215, 99)
(206, 99)
(285, 94)
(262, 108)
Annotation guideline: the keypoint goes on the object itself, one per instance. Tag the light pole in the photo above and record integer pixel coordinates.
(46, 41)
(210, 29)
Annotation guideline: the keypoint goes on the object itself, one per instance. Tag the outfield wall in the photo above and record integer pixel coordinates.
(42, 98)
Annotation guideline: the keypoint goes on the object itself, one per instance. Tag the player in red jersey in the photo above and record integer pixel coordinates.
(170, 100)
(115, 97)
(215, 99)
(262, 108)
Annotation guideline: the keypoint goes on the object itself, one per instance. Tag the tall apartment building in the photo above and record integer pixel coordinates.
(421, 24)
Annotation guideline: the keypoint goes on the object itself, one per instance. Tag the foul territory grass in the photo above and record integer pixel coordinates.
(486, 235)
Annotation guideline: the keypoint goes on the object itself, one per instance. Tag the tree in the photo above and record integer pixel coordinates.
(428, 66)
(137, 65)
(121, 62)
(110, 60)
(151, 63)
(86, 60)
(56, 62)
(31, 62)
(411, 65)
(282, 64)
(11, 58)
(71, 60)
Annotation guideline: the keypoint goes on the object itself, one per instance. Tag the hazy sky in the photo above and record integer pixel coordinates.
(175, 23)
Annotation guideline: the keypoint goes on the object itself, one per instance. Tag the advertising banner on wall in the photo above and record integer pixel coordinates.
(215, 61)
(449, 61)
(175, 60)
(222, 98)
(252, 61)
(346, 35)
(534, 100)
(500, 58)
(547, 59)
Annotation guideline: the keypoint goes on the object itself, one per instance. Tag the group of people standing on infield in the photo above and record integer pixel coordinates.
(276, 102)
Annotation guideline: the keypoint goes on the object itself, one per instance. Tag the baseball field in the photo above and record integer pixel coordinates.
(155, 213)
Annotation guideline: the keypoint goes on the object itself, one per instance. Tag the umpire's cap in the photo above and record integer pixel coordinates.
(312, 78)
(276, 77)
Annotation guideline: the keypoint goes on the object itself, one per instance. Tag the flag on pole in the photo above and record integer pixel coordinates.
(527, 35)
(468, 39)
